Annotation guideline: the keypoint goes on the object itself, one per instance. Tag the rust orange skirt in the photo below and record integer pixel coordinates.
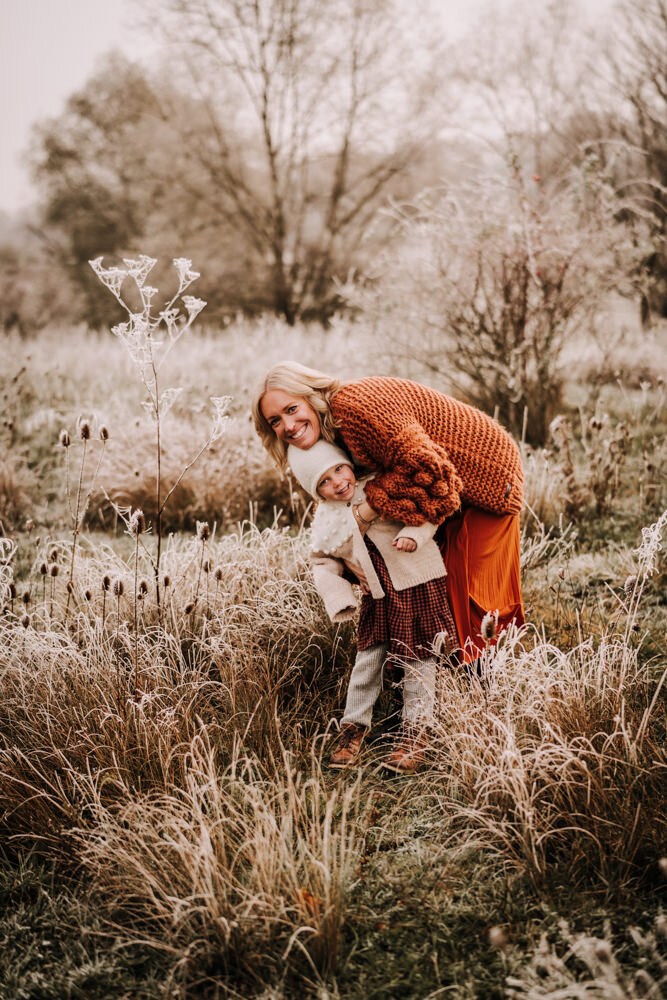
(481, 553)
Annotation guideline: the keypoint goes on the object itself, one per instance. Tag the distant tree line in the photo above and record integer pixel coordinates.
(275, 132)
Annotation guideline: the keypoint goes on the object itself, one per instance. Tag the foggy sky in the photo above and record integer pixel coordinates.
(48, 48)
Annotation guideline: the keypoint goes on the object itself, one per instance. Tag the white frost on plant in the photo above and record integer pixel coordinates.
(112, 277)
(140, 268)
(147, 294)
(170, 319)
(194, 306)
(168, 398)
(651, 545)
(139, 340)
(185, 273)
(220, 417)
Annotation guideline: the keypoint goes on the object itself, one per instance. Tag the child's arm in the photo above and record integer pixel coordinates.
(410, 538)
(336, 592)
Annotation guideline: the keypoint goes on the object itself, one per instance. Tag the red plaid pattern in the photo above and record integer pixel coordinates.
(408, 620)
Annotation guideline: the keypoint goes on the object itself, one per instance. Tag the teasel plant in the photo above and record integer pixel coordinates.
(7, 585)
(78, 510)
(149, 336)
(203, 535)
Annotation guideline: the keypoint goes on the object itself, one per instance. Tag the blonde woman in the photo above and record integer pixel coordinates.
(433, 459)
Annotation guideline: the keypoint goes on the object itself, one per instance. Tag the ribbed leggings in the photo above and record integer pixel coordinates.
(366, 684)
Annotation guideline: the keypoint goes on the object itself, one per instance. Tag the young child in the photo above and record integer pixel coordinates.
(403, 607)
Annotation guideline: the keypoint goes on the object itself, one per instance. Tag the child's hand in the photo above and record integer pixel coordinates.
(404, 544)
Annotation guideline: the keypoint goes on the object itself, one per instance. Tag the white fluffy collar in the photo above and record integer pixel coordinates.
(334, 522)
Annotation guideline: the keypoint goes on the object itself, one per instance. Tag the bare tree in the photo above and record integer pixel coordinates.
(491, 280)
(312, 109)
(637, 68)
(525, 74)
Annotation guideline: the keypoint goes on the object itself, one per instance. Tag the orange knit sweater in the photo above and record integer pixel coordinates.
(432, 452)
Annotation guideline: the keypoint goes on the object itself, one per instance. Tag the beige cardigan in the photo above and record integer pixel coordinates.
(406, 569)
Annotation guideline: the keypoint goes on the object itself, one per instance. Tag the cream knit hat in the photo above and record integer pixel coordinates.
(308, 465)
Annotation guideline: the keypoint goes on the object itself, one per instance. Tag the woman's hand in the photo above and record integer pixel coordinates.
(404, 544)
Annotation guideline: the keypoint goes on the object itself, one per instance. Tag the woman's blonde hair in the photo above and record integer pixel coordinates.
(294, 378)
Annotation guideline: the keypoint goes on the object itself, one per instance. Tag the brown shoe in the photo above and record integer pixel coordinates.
(348, 747)
(409, 755)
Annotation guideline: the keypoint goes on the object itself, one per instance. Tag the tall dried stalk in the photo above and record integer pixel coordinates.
(139, 336)
(78, 513)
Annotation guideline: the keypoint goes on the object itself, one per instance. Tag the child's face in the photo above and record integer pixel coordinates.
(337, 483)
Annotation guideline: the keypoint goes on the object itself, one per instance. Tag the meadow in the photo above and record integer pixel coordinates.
(169, 825)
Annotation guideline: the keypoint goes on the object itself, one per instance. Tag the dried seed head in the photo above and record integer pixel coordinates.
(69, 587)
(29, 525)
(43, 569)
(203, 531)
(595, 424)
(118, 588)
(65, 439)
(489, 626)
(87, 594)
(218, 574)
(441, 643)
(143, 587)
(602, 951)
(662, 865)
(167, 580)
(498, 938)
(629, 585)
(84, 430)
(189, 608)
(206, 566)
(106, 583)
(12, 590)
(661, 926)
(25, 621)
(104, 433)
(26, 597)
(54, 555)
(137, 523)
(140, 596)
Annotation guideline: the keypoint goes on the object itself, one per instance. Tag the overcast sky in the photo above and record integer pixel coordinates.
(48, 48)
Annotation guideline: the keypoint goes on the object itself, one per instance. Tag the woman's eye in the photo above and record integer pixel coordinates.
(291, 409)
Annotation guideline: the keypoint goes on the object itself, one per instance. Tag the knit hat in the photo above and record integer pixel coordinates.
(308, 465)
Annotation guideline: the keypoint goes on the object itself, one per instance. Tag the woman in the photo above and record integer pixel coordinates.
(433, 459)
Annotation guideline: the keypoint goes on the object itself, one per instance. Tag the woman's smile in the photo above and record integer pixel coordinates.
(291, 418)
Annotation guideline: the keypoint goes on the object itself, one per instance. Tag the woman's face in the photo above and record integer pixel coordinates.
(291, 418)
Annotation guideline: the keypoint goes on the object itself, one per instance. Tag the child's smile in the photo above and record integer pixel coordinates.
(337, 483)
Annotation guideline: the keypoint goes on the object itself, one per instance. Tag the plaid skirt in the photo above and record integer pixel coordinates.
(408, 620)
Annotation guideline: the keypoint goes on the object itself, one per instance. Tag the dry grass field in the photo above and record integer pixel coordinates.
(169, 826)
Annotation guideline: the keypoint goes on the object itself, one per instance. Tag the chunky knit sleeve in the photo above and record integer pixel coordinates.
(419, 482)
(415, 481)
(430, 453)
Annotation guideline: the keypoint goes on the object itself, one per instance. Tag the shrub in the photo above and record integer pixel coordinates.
(491, 281)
